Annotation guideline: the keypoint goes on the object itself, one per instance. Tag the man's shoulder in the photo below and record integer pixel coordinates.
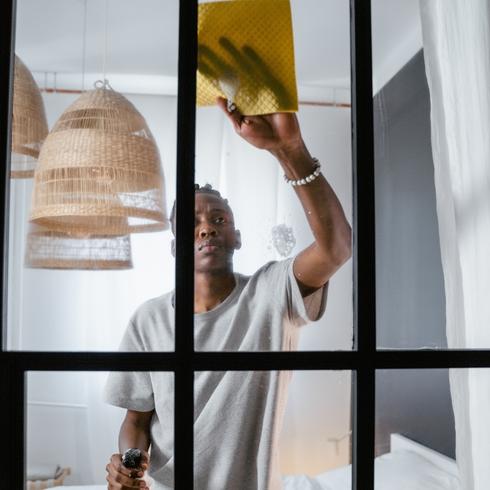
(272, 269)
(154, 308)
(150, 327)
(267, 278)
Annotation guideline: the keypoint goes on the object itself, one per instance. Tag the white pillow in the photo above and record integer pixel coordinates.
(406, 470)
(400, 470)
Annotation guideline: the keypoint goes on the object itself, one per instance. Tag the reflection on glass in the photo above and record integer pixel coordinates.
(72, 430)
(90, 260)
(248, 430)
(422, 426)
(263, 305)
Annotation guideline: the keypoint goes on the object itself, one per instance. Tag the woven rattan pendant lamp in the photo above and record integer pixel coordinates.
(29, 124)
(46, 249)
(100, 163)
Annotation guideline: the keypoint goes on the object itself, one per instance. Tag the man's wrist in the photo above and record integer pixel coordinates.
(296, 162)
(291, 153)
(306, 179)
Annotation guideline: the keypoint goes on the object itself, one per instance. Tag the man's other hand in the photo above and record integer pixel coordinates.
(121, 478)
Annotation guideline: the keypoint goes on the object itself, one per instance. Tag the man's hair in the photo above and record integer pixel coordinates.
(205, 189)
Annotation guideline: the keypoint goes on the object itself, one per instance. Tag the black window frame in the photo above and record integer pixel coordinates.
(364, 361)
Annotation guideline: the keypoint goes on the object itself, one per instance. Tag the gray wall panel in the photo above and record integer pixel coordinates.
(410, 289)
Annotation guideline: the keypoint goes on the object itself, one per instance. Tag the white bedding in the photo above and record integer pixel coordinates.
(400, 470)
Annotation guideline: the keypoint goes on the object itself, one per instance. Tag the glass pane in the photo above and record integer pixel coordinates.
(249, 433)
(432, 206)
(431, 213)
(410, 288)
(422, 426)
(86, 240)
(261, 205)
(73, 431)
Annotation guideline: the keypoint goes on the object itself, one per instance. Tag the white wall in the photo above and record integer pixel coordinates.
(68, 310)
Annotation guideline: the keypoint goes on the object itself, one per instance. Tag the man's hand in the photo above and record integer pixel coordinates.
(278, 133)
(121, 478)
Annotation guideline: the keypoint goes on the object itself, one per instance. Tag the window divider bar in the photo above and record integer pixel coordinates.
(364, 245)
(363, 430)
(184, 277)
(7, 35)
(13, 424)
(250, 361)
(13, 408)
(363, 179)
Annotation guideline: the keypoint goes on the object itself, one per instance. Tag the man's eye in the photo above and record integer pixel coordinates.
(219, 220)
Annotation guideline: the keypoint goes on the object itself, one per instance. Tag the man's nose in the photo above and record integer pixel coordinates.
(207, 230)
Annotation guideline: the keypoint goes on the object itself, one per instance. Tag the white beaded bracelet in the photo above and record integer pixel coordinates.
(308, 178)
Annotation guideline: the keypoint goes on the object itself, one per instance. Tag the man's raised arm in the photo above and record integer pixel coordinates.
(280, 134)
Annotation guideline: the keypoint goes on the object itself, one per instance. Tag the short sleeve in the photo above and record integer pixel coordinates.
(130, 390)
(304, 310)
(280, 282)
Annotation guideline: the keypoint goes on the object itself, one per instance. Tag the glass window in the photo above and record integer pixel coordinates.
(409, 276)
(88, 207)
(73, 431)
(242, 66)
(292, 427)
(249, 429)
(431, 428)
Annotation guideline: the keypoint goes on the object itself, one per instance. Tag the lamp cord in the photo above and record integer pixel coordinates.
(84, 45)
(106, 25)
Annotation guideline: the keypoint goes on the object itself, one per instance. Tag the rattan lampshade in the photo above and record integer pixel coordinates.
(29, 124)
(46, 249)
(100, 163)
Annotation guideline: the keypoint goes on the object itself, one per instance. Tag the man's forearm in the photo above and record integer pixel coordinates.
(134, 435)
(323, 210)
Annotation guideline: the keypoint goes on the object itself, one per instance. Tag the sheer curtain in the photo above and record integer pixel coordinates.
(456, 38)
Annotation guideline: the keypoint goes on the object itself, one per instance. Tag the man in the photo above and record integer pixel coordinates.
(237, 414)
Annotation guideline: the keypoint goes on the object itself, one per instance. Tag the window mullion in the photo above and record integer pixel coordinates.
(13, 423)
(7, 32)
(12, 382)
(363, 412)
(184, 277)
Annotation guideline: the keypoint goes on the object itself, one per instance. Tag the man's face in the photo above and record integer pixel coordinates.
(215, 237)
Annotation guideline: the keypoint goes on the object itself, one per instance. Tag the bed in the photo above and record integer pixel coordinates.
(408, 466)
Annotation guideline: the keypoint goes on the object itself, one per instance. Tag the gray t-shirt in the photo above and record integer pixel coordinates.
(237, 414)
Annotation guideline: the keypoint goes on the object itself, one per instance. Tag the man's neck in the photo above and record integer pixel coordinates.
(211, 289)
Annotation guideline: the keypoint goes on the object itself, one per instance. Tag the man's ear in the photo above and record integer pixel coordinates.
(238, 240)
(172, 247)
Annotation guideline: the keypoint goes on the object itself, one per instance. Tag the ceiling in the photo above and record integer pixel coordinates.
(142, 35)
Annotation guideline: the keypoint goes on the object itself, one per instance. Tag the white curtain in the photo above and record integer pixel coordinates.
(456, 38)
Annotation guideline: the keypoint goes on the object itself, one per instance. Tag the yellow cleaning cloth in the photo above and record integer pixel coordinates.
(246, 54)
